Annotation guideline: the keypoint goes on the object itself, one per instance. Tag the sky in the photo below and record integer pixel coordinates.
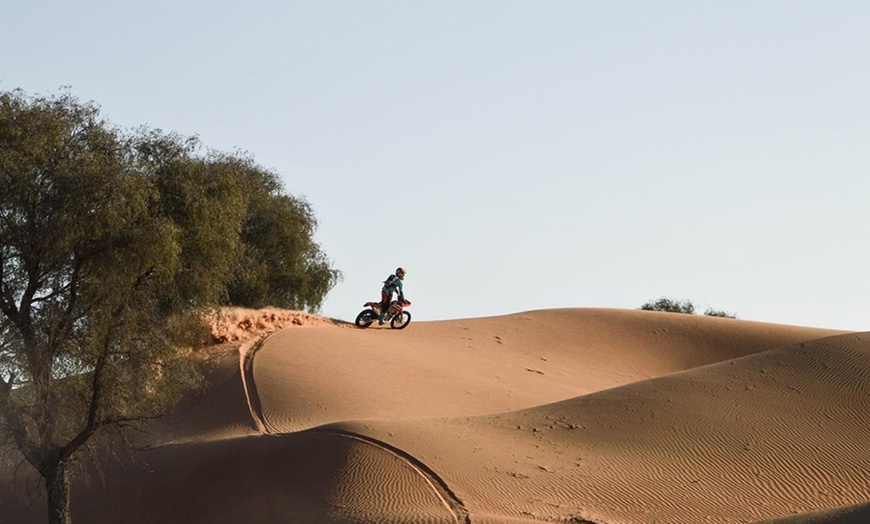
(516, 155)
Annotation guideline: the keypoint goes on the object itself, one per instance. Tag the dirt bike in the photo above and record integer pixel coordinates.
(396, 314)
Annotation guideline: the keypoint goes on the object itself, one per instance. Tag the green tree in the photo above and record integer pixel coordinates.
(88, 267)
(235, 219)
(280, 263)
(205, 197)
(113, 245)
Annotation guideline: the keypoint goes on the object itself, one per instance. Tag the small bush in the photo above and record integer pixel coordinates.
(670, 305)
(710, 312)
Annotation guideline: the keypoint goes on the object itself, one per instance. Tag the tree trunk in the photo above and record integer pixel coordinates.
(57, 487)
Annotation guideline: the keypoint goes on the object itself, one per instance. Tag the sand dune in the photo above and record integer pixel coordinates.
(310, 377)
(575, 415)
(738, 441)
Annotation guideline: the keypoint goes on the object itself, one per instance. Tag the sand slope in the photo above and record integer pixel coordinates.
(766, 435)
(578, 415)
(310, 377)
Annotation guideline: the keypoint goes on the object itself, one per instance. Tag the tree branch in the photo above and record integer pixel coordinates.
(92, 423)
(15, 422)
(66, 318)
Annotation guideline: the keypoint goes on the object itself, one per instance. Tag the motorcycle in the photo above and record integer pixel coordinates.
(396, 314)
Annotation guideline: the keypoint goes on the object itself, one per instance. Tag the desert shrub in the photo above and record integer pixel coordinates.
(670, 305)
(710, 312)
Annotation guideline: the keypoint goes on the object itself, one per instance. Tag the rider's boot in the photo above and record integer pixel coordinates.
(381, 318)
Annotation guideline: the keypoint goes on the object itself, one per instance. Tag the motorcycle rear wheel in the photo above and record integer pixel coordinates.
(401, 321)
(365, 318)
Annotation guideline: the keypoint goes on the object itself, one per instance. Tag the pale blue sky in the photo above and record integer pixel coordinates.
(516, 155)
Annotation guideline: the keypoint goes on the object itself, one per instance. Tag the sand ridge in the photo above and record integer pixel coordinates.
(657, 450)
(312, 377)
(580, 415)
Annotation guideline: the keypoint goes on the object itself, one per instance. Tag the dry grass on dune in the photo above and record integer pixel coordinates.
(577, 415)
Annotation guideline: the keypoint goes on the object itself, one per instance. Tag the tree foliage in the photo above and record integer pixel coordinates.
(280, 263)
(245, 242)
(206, 201)
(85, 262)
(670, 305)
(112, 244)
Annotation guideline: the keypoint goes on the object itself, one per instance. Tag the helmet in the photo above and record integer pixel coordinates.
(400, 272)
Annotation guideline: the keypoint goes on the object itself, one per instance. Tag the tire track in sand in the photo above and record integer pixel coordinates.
(246, 369)
(445, 494)
(248, 350)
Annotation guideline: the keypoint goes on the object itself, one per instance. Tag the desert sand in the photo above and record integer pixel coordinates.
(567, 415)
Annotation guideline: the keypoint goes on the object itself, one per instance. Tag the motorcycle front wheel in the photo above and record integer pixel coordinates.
(401, 321)
(365, 318)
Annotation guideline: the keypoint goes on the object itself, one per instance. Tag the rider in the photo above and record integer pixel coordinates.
(392, 284)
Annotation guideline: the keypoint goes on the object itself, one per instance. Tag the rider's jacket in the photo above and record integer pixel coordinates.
(392, 285)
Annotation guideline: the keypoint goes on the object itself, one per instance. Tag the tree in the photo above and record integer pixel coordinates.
(236, 219)
(87, 271)
(280, 264)
(113, 245)
(205, 197)
(681, 306)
